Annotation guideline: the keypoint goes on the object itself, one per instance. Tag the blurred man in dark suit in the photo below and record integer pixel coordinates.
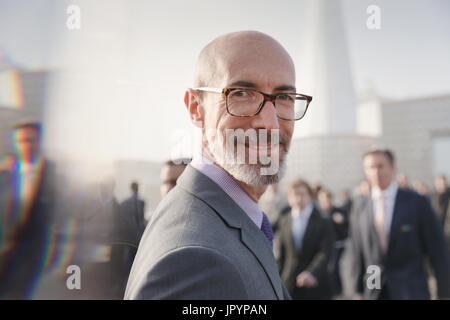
(132, 212)
(27, 196)
(393, 231)
(306, 246)
(339, 221)
(129, 224)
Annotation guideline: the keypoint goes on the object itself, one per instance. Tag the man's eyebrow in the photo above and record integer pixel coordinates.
(241, 83)
(249, 84)
(285, 88)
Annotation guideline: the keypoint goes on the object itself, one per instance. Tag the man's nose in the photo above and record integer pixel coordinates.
(266, 118)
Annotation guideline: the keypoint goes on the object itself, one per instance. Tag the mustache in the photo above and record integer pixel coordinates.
(283, 140)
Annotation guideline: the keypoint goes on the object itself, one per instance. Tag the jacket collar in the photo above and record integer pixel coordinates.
(209, 192)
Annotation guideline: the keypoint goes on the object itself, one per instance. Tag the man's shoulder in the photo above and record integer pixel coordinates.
(360, 204)
(285, 218)
(320, 219)
(183, 214)
(409, 195)
(181, 223)
(407, 192)
(319, 214)
(179, 200)
(127, 202)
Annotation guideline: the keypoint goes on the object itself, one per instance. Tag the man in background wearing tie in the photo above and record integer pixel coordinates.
(395, 229)
(208, 238)
(306, 246)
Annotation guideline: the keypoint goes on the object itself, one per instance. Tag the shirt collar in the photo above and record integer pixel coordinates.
(304, 214)
(31, 167)
(388, 193)
(230, 186)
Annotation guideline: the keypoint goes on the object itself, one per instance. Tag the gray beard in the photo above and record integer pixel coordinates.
(249, 174)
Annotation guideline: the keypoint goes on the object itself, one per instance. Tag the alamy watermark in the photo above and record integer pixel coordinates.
(374, 279)
(74, 279)
(73, 21)
(374, 19)
(262, 149)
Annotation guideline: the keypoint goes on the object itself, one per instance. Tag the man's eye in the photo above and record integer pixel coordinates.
(240, 93)
(285, 97)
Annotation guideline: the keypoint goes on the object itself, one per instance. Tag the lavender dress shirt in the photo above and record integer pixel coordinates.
(230, 186)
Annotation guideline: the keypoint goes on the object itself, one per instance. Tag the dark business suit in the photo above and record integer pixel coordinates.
(22, 254)
(415, 233)
(314, 256)
(200, 244)
(341, 234)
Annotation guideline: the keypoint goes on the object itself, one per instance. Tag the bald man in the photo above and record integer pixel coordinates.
(208, 238)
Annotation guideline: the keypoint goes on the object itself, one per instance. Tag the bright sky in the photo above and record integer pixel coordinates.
(130, 62)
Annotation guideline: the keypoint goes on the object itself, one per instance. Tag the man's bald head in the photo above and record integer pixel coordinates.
(247, 62)
(237, 50)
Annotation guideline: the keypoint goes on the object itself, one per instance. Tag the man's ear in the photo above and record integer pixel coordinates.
(193, 107)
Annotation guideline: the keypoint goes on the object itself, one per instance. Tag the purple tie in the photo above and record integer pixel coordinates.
(267, 229)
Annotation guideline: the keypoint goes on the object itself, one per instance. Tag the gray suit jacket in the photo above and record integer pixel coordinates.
(200, 244)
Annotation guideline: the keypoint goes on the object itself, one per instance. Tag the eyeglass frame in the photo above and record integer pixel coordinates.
(267, 97)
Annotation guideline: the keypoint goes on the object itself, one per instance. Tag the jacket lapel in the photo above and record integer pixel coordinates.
(397, 218)
(288, 232)
(207, 190)
(309, 228)
(251, 237)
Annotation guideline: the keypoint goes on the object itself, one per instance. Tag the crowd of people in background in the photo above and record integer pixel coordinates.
(312, 234)
(311, 231)
(46, 225)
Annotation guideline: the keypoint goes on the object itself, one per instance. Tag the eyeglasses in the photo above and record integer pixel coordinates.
(243, 102)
